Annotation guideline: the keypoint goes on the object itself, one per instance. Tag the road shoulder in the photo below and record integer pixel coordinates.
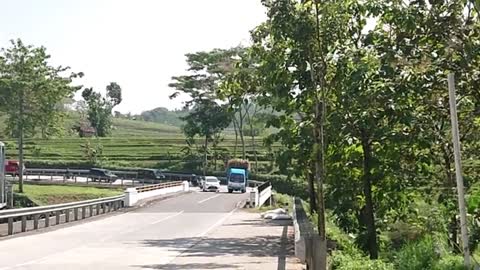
(242, 241)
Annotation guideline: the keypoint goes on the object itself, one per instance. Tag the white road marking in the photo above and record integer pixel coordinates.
(216, 224)
(202, 201)
(203, 234)
(169, 217)
(139, 228)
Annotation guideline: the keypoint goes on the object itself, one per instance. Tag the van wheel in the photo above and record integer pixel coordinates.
(230, 190)
(243, 191)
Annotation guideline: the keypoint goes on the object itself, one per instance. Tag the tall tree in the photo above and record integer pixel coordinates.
(100, 108)
(206, 79)
(206, 120)
(205, 74)
(31, 91)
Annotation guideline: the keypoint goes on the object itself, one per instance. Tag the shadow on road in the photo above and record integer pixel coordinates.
(188, 266)
(259, 246)
(262, 223)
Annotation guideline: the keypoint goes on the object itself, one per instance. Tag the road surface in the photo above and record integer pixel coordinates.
(151, 236)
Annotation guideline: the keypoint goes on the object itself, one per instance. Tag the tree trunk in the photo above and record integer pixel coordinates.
(449, 185)
(236, 137)
(253, 145)
(367, 190)
(205, 157)
(255, 154)
(242, 139)
(311, 190)
(20, 144)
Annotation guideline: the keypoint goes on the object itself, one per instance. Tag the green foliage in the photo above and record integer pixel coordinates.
(341, 261)
(430, 252)
(100, 108)
(164, 116)
(31, 90)
(418, 255)
(206, 119)
(93, 153)
(450, 262)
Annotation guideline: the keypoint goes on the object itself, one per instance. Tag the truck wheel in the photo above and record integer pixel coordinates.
(243, 190)
(230, 190)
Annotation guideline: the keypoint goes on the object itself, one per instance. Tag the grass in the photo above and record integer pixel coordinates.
(55, 194)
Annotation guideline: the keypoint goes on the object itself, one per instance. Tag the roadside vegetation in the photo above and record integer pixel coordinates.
(56, 194)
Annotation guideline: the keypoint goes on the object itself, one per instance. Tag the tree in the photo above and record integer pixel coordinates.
(100, 108)
(206, 72)
(31, 92)
(206, 78)
(206, 120)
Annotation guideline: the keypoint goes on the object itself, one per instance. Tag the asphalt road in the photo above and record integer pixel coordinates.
(125, 241)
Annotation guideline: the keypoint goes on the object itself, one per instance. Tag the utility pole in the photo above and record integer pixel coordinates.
(458, 169)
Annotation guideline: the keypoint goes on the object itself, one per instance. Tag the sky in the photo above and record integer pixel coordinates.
(140, 44)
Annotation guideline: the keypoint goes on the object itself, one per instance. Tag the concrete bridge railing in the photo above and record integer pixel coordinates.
(135, 195)
(261, 194)
(308, 246)
(32, 218)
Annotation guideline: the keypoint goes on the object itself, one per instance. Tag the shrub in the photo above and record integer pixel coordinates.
(340, 260)
(450, 262)
(418, 255)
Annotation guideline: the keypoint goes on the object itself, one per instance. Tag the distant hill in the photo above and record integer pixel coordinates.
(130, 127)
(121, 127)
(163, 116)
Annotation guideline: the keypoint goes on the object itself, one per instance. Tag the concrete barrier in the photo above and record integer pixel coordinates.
(134, 195)
(261, 194)
(309, 247)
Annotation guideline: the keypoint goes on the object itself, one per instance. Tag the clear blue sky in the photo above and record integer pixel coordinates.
(138, 43)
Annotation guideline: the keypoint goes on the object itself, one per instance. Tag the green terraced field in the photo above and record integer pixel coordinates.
(133, 144)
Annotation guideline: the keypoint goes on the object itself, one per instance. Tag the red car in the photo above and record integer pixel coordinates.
(11, 167)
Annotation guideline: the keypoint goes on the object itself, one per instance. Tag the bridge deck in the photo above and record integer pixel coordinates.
(193, 231)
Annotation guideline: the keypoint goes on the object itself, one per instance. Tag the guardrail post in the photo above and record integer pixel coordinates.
(35, 221)
(104, 208)
(47, 219)
(75, 213)
(90, 210)
(57, 217)
(67, 215)
(24, 223)
(83, 212)
(10, 226)
(98, 210)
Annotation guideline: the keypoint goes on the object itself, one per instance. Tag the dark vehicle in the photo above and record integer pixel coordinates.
(102, 174)
(151, 175)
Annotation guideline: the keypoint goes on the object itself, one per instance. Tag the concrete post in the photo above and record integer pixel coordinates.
(131, 197)
(252, 199)
(186, 186)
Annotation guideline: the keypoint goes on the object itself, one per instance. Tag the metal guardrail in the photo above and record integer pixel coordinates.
(158, 186)
(308, 245)
(89, 207)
